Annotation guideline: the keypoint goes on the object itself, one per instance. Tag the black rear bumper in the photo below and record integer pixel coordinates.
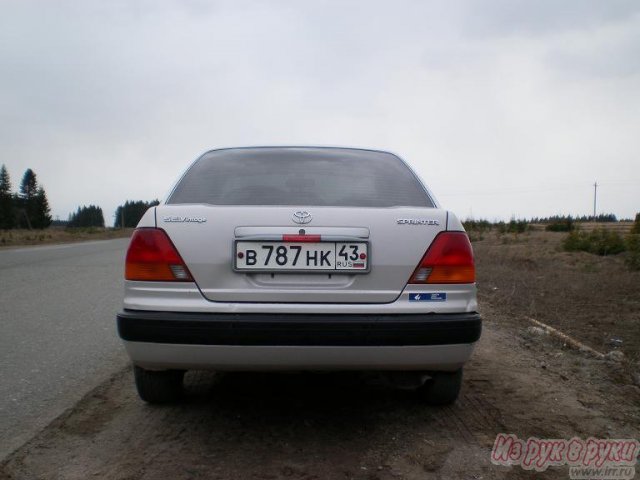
(295, 329)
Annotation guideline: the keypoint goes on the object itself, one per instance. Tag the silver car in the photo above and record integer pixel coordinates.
(300, 258)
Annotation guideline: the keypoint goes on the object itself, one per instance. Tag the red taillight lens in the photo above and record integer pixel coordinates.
(449, 259)
(152, 257)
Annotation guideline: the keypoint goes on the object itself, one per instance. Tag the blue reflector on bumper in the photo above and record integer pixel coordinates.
(428, 297)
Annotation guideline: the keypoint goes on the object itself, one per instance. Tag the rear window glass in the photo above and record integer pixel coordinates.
(300, 176)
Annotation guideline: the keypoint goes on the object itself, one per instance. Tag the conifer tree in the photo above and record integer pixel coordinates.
(7, 218)
(32, 204)
(41, 211)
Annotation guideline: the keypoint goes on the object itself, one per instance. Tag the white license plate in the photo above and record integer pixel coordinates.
(303, 256)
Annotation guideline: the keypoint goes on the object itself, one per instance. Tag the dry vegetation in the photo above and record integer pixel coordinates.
(15, 238)
(592, 298)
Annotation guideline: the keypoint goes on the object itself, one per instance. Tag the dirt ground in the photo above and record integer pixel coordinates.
(349, 426)
(594, 299)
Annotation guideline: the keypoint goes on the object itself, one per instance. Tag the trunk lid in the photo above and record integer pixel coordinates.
(205, 237)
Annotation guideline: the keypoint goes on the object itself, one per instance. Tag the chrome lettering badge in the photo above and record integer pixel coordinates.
(417, 221)
(302, 217)
(178, 219)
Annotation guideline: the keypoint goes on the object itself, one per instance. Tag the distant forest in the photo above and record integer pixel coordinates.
(26, 208)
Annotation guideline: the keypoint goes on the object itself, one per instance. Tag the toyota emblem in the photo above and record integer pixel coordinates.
(302, 217)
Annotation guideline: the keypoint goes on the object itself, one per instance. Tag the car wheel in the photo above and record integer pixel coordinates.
(442, 388)
(158, 386)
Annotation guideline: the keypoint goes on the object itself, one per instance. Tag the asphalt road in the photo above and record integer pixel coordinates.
(58, 337)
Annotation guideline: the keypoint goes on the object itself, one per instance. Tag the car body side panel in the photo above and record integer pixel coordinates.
(148, 219)
(453, 223)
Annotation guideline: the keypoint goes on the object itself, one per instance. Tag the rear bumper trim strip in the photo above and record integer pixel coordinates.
(298, 330)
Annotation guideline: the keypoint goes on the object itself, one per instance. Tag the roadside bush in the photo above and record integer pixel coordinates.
(84, 230)
(566, 225)
(632, 258)
(576, 242)
(598, 242)
(636, 224)
(474, 235)
(477, 225)
(476, 229)
(514, 226)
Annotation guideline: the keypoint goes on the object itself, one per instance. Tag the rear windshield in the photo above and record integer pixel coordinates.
(300, 176)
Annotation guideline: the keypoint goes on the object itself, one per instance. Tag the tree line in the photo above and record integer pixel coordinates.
(128, 214)
(90, 216)
(555, 223)
(27, 208)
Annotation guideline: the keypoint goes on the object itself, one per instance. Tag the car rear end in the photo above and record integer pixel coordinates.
(298, 259)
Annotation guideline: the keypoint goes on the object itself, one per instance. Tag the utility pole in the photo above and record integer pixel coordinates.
(595, 197)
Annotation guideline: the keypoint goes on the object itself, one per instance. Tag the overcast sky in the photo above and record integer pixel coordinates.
(505, 108)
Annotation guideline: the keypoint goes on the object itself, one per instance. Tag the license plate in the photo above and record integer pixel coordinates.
(301, 257)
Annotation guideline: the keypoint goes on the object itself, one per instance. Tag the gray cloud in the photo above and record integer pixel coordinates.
(503, 107)
(494, 18)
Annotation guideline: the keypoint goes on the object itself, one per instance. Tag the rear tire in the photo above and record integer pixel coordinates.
(442, 389)
(158, 386)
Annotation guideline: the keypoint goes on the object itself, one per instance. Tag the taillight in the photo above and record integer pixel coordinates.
(153, 257)
(449, 259)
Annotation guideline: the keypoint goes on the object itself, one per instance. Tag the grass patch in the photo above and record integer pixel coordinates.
(599, 242)
(565, 225)
(632, 258)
